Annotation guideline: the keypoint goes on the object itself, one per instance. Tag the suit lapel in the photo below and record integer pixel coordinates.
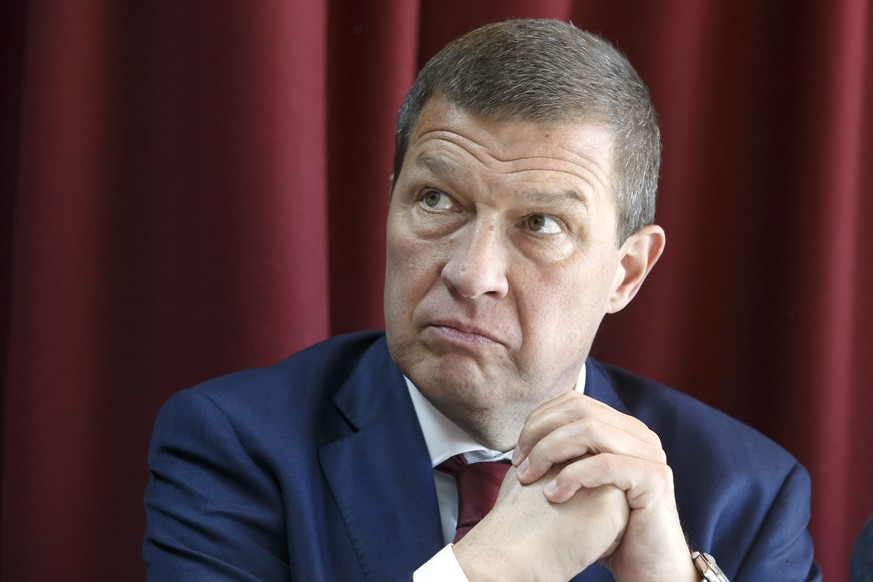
(381, 475)
(598, 386)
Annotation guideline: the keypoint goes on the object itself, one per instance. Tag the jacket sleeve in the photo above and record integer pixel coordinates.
(212, 511)
(783, 548)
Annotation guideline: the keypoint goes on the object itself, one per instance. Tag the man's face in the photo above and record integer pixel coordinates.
(502, 259)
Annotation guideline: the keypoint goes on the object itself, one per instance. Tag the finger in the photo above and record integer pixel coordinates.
(532, 430)
(586, 436)
(644, 482)
(568, 408)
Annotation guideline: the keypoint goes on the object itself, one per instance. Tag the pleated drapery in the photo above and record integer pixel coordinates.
(190, 188)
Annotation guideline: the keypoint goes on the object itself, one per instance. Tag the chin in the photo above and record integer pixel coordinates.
(467, 385)
(445, 375)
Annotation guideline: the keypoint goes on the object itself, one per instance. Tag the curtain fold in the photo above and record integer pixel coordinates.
(170, 225)
(196, 188)
(840, 283)
(372, 51)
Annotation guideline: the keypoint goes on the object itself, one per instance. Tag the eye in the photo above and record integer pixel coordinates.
(542, 224)
(435, 200)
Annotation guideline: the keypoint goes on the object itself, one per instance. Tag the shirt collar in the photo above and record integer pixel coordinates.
(445, 439)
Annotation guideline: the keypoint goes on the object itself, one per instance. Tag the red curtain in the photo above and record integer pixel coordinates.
(189, 188)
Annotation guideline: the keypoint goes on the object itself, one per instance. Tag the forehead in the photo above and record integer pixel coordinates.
(438, 112)
(447, 139)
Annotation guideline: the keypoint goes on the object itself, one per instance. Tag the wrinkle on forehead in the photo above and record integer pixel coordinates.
(590, 168)
(447, 137)
(492, 151)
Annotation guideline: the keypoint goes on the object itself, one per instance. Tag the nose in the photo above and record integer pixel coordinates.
(477, 263)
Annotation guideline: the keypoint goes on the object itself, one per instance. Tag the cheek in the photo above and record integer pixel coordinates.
(412, 266)
(564, 304)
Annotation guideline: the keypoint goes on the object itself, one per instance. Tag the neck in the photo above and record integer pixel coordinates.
(497, 432)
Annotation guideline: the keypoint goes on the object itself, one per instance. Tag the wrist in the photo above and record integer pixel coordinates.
(483, 565)
(667, 565)
(487, 554)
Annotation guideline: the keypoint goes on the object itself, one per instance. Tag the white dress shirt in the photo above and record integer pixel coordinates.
(445, 439)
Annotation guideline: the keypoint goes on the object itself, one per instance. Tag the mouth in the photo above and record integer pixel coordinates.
(463, 332)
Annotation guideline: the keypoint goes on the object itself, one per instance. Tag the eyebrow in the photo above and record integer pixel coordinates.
(563, 198)
(436, 166)
(441, 167)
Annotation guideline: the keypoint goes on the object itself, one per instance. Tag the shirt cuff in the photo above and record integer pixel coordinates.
(443, 567)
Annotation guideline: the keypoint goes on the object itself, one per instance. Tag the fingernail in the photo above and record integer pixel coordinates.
(515, 455)
(522, 469)
(550, 487)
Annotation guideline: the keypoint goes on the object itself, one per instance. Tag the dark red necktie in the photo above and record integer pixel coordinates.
(478, 485)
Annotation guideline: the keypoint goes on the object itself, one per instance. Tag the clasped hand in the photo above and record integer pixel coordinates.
(590, 483)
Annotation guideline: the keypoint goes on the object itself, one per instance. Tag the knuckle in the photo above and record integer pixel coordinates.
(667, 474)
(661, 456)
(664, 478)
(608, 462)
(585, 428)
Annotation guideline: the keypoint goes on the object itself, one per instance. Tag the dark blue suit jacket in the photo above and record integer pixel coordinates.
(316, 469)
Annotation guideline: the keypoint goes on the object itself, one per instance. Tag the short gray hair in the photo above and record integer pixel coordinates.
(549, 71)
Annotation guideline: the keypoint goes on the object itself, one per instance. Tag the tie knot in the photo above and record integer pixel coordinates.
(478, 485)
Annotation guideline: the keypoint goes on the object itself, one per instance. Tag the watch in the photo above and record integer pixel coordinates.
(707, 567)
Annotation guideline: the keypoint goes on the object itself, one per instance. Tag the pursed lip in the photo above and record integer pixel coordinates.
(466, 331)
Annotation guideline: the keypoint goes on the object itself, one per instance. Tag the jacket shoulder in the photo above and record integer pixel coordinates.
(292, 398)
(686, 424)
(320, 366)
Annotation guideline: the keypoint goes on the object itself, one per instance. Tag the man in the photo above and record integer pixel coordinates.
(521, 212)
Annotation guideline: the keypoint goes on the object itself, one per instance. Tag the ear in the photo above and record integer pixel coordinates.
(638, 255)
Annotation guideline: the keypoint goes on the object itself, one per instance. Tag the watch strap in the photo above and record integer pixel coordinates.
(708, 568)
